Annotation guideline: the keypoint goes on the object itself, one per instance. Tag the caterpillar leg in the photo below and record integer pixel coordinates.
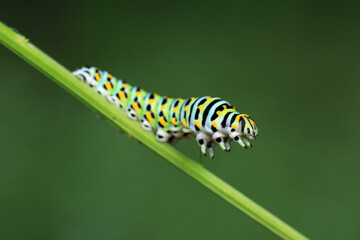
(203, 139)
(210, 148)
(115, 101)
(227, 144)
(219, 138)
(162, 136)
(187, 133)
(131, 113)
(177, 133)
(172, 140)
(239, 140)
(146, 125)
(247, 143)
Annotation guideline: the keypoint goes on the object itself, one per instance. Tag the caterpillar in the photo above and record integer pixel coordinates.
(210, 119)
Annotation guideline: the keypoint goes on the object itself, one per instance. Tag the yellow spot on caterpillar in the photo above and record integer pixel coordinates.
(237, 119)
(137, 93)
(97, 76)
(173, 121)
(162, 121)
(135, 106)
(186, 107)
(183, 122)
(218, 113)
(168, 99)
(121, 95)
(214, 124)
(252, 123)
(180, 99)
(175, 109)
(108, 85)
(151, 101)
(148, 116)
(224, 106)
(162, 107)
(197, 123)
(200, 107)
(234, 108)
(234, 126)
(155, 94)
(208, 98)
(192, 98)
(109, 75)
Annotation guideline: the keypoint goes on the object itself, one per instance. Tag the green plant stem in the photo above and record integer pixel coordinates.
(22, 47)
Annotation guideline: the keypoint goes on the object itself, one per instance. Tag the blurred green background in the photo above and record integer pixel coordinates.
(294, 66)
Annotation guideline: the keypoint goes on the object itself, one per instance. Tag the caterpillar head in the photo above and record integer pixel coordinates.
(248, 127)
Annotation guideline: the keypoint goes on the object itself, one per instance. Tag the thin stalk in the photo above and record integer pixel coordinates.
(22, 47)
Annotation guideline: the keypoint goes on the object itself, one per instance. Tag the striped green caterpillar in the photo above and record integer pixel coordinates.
(210, 119)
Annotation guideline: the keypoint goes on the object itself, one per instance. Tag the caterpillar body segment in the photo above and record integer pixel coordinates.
(211, 120)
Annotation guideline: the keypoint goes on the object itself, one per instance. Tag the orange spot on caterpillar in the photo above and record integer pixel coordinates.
(121, 95)
(162, 121)
(108, 85)
(148, 116)
(135, 106)
(97, 76)
(197, 123)
(183, 122)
